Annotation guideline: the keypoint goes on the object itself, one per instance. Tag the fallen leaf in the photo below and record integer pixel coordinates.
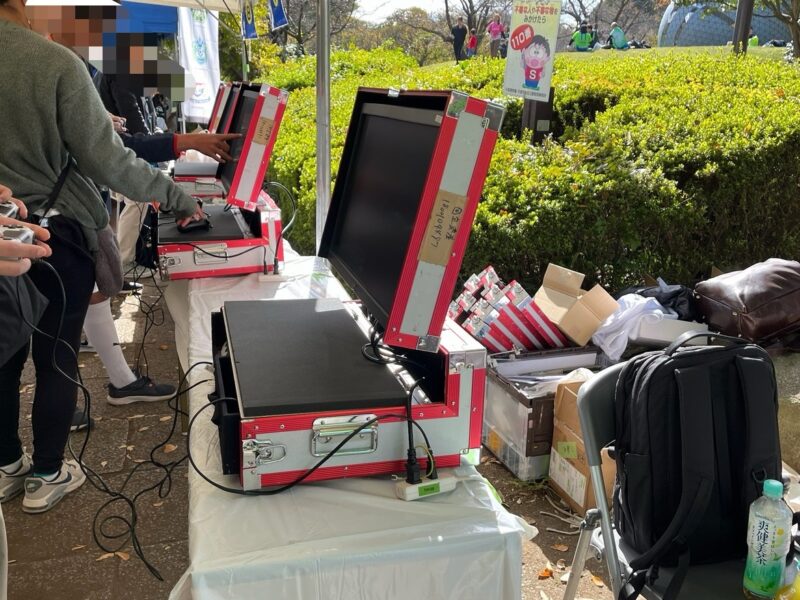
(11, 562)
(163, 347)
(103, 463)
(166, 418)
(547, 572)
(170, 448)
(145, 428)
(81, 366)
(560, 547)
(138, 460)
(519, 500)
(565, 578)
(135, 417)
(79, 547)
(97, 418)
(157, 504)
(543, 596)
(597, 581)
(122, 447)
(167, 547)
(561, 564)
(123, 555)
(104, 556)
(26, 388)
(130, 448)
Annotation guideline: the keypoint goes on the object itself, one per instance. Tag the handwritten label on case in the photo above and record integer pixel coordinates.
(263, 130)
(440, 234)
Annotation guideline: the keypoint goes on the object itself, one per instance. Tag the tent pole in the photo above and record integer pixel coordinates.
(323, 118)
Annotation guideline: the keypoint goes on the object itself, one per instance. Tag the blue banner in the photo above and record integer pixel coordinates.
(277, 15)
(248, 21)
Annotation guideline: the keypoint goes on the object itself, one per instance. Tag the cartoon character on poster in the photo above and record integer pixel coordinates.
(534, 54)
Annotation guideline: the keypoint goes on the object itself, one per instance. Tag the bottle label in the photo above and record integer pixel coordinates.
(763, 573)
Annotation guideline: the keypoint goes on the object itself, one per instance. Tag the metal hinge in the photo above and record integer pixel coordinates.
(428, 343)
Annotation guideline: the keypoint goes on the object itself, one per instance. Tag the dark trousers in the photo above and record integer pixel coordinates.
(458, 49)
(55, 396)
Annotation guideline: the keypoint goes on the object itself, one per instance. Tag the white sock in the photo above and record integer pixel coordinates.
(102, 334)
(13, 467)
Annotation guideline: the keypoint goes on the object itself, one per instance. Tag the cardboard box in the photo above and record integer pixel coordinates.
(524, 468)
(565, 407)
(575, 312)
(569, 470)
(662, 332)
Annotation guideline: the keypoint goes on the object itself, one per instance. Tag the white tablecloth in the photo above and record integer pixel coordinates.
(337, 540)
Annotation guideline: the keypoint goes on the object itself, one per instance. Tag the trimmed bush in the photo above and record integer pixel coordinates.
(663, 163)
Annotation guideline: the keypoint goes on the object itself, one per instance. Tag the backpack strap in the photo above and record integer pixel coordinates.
(697, 459)
(51, 199)
(762, 448)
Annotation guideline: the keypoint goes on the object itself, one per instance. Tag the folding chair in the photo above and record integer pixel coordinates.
(721, 581)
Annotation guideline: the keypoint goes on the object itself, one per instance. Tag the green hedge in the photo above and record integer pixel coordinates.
(664, 162)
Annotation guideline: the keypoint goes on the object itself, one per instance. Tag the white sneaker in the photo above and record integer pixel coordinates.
(12, 478)
(42, 494)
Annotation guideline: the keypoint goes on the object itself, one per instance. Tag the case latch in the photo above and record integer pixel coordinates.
(329, 432)
(257, 453)
(428, 343)
(211, 254)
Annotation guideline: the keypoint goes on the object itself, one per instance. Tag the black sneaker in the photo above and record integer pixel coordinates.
(143, 389)
(130, 287)
(80, 421)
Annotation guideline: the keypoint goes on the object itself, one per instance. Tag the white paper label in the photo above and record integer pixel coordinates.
(568, 478)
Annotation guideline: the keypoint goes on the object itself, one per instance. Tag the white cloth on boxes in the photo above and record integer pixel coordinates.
(613, 335)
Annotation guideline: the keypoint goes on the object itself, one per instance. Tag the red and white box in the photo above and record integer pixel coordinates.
(223, 93)
(256, 112)
(276, 449)
(240, 241)
(453, 157)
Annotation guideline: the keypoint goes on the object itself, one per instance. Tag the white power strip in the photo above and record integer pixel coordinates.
(428, 487)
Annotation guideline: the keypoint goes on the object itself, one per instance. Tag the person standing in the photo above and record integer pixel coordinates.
(472, 44)
(495, 30)
(459, 36)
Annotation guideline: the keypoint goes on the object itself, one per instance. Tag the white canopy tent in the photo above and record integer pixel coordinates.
(323, 93)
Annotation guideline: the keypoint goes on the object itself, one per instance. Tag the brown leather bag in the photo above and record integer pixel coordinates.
(760, 303)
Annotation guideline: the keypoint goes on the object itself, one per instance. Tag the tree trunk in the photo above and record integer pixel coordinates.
(794, 28)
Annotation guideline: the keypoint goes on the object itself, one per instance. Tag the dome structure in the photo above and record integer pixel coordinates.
(709, 25)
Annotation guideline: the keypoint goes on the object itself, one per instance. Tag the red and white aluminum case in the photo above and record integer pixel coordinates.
(278, 449)
(259, 140)
(219, 102)
(196, 258)
(460, 161)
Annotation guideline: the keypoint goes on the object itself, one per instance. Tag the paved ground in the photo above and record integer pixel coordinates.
(54, 555)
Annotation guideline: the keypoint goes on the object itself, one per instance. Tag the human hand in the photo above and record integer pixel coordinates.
(118, 123)
(214, 145)
(197, 216)
(6, 195)
(19, 254)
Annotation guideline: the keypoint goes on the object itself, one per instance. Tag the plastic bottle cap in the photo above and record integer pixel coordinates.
(773, 489)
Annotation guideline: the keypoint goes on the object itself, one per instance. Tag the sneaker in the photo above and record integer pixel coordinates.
(43, 494)
(143, 389)
(86, 346)
(12, 478)
(138, 272)
(80, 421)
(130, 287)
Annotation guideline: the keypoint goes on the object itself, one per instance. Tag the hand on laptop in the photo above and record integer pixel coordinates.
(197, 216)
(214, 145)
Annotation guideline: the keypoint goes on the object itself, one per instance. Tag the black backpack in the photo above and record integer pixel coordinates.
(697, 435)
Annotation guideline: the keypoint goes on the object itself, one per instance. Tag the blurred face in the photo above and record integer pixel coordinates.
(60, 24)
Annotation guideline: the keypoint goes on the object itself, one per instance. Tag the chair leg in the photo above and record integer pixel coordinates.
(610, 549)
(588, 525)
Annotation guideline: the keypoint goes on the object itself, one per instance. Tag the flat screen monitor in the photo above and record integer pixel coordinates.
(381, 189)
(228, 109)
(240, 123)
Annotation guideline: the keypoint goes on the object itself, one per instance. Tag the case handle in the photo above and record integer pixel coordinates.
(690, 335)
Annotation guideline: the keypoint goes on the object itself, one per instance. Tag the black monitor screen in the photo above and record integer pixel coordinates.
(240, 124)
(380, 198)
(230, 104)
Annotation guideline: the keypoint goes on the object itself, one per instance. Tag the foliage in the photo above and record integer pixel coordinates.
(664, 162)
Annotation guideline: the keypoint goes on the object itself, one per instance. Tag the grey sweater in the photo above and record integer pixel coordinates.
(49, 107)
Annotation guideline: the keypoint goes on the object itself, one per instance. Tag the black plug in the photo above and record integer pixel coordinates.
(434, 474)
(412, 468)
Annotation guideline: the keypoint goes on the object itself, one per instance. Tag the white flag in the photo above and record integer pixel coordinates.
(199, 54)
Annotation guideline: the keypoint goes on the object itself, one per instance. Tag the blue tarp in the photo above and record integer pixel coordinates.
(147, 18)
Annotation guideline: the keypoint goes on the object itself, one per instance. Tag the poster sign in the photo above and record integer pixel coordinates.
(248, 21)
(277, 15)
(531, 48)
(199, 55)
